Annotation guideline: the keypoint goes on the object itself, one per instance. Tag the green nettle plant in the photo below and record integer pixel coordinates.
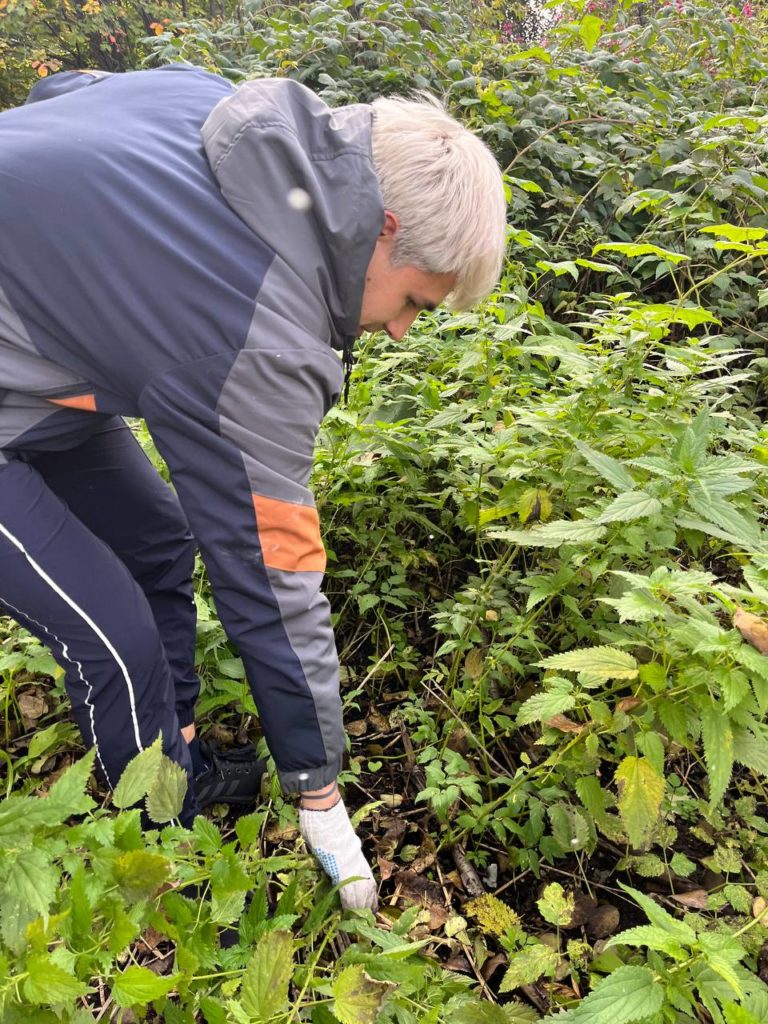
(548, 563)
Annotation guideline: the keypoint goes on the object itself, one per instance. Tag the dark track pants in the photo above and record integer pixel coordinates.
(96, 560)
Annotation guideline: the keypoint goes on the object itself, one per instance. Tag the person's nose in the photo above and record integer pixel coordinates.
(398, 326)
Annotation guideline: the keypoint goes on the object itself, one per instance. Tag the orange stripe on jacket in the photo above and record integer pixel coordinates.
(289, 535)
(85, 402)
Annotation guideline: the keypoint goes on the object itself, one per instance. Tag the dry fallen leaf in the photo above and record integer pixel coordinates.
(696, 898)
(473, 663)
(378, 721)
(31, 705)
(386, 868)
(759, 906)
(427, 855)
(357, 728)
(563, 723)
(628, 703)
(752, 628)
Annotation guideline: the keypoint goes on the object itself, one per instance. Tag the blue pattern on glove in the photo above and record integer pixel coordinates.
(329, 865)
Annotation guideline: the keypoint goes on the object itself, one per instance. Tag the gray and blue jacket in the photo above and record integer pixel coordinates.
(153, 265)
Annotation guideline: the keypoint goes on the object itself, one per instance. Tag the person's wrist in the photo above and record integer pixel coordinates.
(320, 799)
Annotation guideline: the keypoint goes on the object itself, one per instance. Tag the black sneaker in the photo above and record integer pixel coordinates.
(230, 777)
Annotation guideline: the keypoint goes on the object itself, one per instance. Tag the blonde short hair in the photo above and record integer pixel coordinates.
(446, 188)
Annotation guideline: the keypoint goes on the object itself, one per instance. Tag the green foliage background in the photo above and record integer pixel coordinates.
(541, 517)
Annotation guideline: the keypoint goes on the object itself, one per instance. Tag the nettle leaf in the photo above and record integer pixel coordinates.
(628, 995)
(49, 984)
(33, 880)
(636, 606)
(652, 938)
(569, 827)
(166, 795)
(632, 249)
(138, 986)
(717, 734)
(490, 1013)
(357, 998)
(610, 469)
(139, 775)
(735, 1014)
(541, 706)
(641, 790)
(601, 662)
(629, 506)
(140, 873)
(750, 751)
(529, 965)
(554, 534)
(67, 795)
(264, 991)
(208, 835)
(659, 917)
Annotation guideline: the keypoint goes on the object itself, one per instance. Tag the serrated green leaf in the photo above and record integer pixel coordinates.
(717, 735)
(628, 995)
(659, 917)
(67, 795)
(749, 543)
(652, 938)
(264, 991)
(542, 706)
(358, 999)
(490, 1013)
(166, 795)
(138, 986)
(750, 751)
(633, 249)
(601, 662)
(49, 984)
(140, 873)
(682, 865)
(641, 790)
(138, 777)
(529, 965)
(735, 1014)
(554, 534)
(208, 835)
(33, 879)
(630, 506)
(227, 907)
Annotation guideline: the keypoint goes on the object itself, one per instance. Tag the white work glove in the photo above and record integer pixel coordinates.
(333, 841)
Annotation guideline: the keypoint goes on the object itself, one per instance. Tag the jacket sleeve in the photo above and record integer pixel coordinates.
(237, 431)
(63, 82)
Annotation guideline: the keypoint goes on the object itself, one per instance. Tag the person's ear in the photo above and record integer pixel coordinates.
(391, 225)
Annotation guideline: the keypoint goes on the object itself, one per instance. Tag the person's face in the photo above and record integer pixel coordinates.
(394, 296)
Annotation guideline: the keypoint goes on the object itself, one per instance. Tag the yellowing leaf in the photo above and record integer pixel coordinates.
(265, 983)
(493, 915)
(473, 663)
(641, 790)
(357, 999)
(600, 662)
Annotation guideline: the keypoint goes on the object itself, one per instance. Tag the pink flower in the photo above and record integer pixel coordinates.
(748, 10)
